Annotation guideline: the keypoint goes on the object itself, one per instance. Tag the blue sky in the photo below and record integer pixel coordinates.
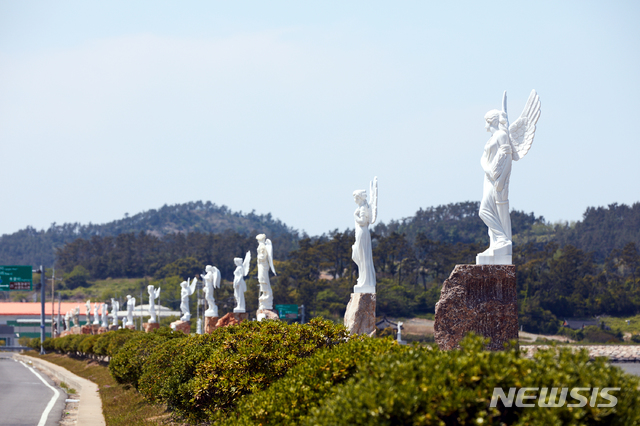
(287, 107)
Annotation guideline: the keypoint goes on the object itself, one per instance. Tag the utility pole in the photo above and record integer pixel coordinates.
(41, 310)
(301, 314)
(53, 284)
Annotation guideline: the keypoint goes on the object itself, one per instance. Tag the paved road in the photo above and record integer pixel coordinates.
(24, 397)
(629, 367)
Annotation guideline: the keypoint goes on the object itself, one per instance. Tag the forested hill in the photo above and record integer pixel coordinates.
(34, 247)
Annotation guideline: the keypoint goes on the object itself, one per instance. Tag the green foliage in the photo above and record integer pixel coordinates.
(77, 278)
(289, 400)
(205, 374)
(111, 342)
(126, 364)
(423, 386)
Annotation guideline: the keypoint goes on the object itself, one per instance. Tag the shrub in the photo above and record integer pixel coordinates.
(420, 386)
(208, 374)
(288, 400)
(126, 364)
(172, 365)
(112, 341)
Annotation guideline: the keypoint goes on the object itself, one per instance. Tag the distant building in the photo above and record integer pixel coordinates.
(578, 324)
(23, 319)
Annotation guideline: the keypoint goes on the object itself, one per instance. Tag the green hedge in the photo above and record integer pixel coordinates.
(207, 374)
(127, 364)
(419, 386)
(288, 400)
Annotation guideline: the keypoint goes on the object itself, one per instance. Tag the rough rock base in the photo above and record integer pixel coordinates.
(86, 329)
(131, 327)
(113, 327)
(267, 314)
(478, 298)
(102, 330)
(183, 326)
(210, 324)
(360, 317)
(149, 327)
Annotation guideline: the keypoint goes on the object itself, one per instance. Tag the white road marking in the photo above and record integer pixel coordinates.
(54, 398)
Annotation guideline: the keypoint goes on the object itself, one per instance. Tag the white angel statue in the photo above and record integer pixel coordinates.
(362, 254)
(153, 295)
(96, 316)
(105, 318)
(239, 286)
(88, 311)
(131, 305)
(265, 261)
(211, 280)
(76, 316)
(507, 143)
(67, 326)
(115, 307)
(187, 290)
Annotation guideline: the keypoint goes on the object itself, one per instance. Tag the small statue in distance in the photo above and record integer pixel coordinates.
(105, 318)
(507, 143)
(131, 304)
(211, 280)
(362, 253)
(96, 316)
(265, 261)
(115, 307)
(239, 285)
(153, 295)
(88, 311)
(187, 289)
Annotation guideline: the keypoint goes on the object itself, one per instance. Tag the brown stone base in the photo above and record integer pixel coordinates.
(113, 327)
(210, 324)
(131, 327)
(149, 327)
(241, 316)
(102, 330)
(267, 314)
(76, 329)
(478, 298)
(360, 316)
(183, 326)
(86, 329)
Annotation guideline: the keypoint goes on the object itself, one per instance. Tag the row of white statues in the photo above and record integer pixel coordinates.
(212, 279)
(507, 143)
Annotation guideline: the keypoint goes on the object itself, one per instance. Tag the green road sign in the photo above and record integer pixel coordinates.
(16, 278)
(287, 311)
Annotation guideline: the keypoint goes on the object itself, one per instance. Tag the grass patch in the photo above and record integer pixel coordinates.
(121, 407)
(70, 391)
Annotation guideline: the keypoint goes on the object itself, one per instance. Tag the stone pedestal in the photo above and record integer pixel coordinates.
(478, 298)
(241, 316)
(150, 326)
(131, 327)
(210, 324)
(228, 319)
(183, 326)
(86, 329)
(360, 317)
(95, 328)
(113, 327)
(267, 314)
(76, 329)
(102, 330)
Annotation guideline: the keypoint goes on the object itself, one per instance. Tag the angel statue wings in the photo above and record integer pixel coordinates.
(154, 293)
(265, 261)
(362, 255)
(239, 286)
(187, 289)
(211, 280)
(507, 143)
